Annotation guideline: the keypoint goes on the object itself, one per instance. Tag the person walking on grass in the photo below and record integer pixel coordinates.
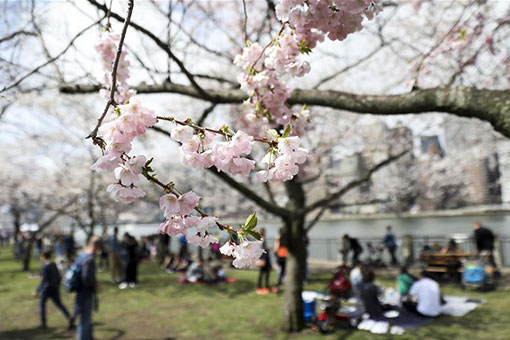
(86, 291)
(49, 288)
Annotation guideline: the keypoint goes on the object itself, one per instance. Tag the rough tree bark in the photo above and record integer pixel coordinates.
(295, 267)
(492, 106)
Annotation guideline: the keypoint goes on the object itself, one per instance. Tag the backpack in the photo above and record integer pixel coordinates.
(72, 278)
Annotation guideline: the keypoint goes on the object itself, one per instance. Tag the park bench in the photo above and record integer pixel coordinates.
(443, 263)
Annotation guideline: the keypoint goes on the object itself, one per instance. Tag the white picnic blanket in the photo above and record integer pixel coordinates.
(459, 305)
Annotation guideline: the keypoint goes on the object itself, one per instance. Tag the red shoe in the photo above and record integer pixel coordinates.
(261, 291)
(275, 290)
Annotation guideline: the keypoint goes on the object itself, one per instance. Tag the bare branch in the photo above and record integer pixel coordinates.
(352, 184)
(492, 106)
(15, 34)
(51, 60)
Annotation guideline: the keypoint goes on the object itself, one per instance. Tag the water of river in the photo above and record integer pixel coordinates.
(369, 228)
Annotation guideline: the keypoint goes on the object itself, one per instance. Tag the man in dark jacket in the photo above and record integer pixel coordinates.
(484, 239)
(49, 287)
(87, 288)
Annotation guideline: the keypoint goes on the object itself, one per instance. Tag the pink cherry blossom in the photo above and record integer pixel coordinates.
(206, 222)
(170, 205)
(188, 202)
(182, 134)
(228, 249)
(106, 163)
(120, 193)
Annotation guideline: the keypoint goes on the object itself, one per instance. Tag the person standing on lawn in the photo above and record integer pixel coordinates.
(49, 288)
(484, 239)
(390, 242)
(264, 264)
(87, 288)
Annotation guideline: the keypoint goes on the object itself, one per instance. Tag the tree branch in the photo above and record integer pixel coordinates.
(352, 184)
(492, 106)
(49, 61)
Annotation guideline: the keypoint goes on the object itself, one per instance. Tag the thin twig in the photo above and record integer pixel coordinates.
(202, 129)
(245, 23)
(111, 99)
(171, 189)
(49, 61)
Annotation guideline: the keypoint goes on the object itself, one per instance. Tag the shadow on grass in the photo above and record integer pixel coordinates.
(155, 283)
(35, 333)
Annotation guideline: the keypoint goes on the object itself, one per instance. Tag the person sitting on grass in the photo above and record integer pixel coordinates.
(369, 293)
(424, 298)
(49, 287)
(404, 281)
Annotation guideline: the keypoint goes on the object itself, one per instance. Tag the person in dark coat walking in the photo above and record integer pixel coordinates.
(49, 288)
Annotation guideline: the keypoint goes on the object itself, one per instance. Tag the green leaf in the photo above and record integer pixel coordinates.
(286, 133)
(255, 234)
(251, 222)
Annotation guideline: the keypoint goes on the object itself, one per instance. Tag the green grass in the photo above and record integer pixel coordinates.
(160, 308)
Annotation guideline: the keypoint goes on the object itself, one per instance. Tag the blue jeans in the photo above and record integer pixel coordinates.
(83, 307)
(54, 295)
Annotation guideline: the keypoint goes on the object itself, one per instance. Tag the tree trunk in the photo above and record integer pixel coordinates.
(293, 320)
(27, 255)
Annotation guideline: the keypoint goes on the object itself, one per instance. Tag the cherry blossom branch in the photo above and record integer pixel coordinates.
(169, 188)
(161, 44)
(111, 99)
(243, 189)
(224, 131)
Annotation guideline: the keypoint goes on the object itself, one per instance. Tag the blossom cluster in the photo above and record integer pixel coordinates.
(177, 210)
(199, 151)
(245, 254)
(106, 46)
(312, 20)
(282, 164)
(130, 121)
(305, 23)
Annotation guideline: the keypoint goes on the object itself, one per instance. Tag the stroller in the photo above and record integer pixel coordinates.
(475, 272)
(375, 255)
(331, 316)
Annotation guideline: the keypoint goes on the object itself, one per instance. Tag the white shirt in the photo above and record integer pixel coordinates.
(426, 291)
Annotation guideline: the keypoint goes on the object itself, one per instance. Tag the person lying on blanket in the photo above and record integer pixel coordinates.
(424, 298)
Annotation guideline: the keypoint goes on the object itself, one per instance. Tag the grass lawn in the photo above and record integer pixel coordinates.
(160, 308)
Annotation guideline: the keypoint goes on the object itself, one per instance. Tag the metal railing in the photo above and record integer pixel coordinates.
(328, 249)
